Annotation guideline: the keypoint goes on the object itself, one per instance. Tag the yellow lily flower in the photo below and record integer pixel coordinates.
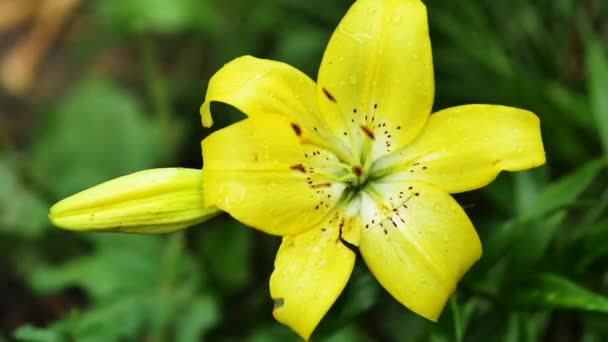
(356, 159)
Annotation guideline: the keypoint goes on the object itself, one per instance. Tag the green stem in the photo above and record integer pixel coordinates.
(457, 318)
(173, 250)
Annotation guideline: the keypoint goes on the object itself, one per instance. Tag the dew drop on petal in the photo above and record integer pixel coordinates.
(239, 194)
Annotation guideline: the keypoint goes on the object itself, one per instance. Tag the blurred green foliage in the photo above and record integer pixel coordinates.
(544, 272)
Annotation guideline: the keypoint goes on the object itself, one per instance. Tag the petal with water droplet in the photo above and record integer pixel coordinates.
(257, 171)
(311, 270)
(464, 148)
(385, 45)
(420, 245)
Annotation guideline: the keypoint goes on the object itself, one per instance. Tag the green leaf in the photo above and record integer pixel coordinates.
(513, 328)
(568, 101)
(98, 131)
(483, 46)
(525, 326)
(457, 319)
(195, 321)
(101, 274)
(537, 238)
(587, 245)
(597, 83)
(565, 191)
(31, 333)
(461, 316)
(359, 296)
(348, 333)
(98, 323)
(548, 291)
(272, 332)
(226, 247)
(527, 189)
(22, 212)
(558, 195)
(150, 284)
(160, 16)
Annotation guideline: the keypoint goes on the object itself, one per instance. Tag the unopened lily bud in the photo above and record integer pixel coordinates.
(150, 201)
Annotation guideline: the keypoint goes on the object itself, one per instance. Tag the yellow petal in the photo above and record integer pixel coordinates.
(311, 270)
(377, 72)
(257, 171)
(261, 86)
(420, 246)
(150, 201)
(464, 148)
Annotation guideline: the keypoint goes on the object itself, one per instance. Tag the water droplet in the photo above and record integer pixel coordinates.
(437, 208)
(372, 10)
(238, 194)
(397, 19)
(446, 238)
(352, 79)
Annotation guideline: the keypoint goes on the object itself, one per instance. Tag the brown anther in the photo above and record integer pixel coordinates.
(296, 129)
(329, 95)
(367, 131)
(298, 167)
